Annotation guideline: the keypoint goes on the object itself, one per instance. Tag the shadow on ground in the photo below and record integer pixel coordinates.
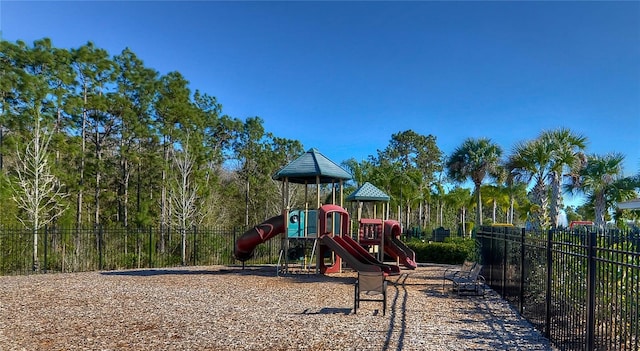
(328, 310)
(258, 271)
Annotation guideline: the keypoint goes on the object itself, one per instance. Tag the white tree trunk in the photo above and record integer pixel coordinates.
(183, 196)
(37, 192)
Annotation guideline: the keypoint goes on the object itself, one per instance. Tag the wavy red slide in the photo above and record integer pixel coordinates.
(396, 248)
(258, 235)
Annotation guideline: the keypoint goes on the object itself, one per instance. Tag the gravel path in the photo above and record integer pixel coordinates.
(227, 308)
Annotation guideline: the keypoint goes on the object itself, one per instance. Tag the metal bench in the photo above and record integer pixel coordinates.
(455, 273)
(471, 283)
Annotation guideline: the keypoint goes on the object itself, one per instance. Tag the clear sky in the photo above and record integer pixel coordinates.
(344, 76)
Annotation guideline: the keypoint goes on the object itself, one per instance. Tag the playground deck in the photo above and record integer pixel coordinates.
(227, 308)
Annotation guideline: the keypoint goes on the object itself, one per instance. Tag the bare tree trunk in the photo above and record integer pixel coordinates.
(138, 191)
(539, 218)
(246, 204)
(96, 193)
(464, 221)
(493, 216)
(183, 255)
(56, 130)
(79, 198)
(163, 198)
(478, 206)
(183, 197)
(556, 199)
(123, 192)
(511, 205)
(35, 259)
(600, 207)
(82, 162)
(125, 213)
(37, 191)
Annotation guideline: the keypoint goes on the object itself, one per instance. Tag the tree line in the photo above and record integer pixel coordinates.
(524, 187)
(90, 139)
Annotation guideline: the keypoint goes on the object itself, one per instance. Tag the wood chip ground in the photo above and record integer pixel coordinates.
(228, 308)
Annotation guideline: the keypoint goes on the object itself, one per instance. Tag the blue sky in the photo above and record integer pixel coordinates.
(344, 76)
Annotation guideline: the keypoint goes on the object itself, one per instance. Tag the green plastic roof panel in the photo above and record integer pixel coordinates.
(308, 166)
(368, 192)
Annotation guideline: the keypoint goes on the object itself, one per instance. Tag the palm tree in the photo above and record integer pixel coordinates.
(601, 180)
(496, 196)
(405, 188)
(475, 159)
(401, 185)
(381, 175)
(517, 196)
(566, 150)
(439, 196)
(543, 161)
(529, 162)
(512, 188)
(460, 199)
(359, 170)
(527, 210)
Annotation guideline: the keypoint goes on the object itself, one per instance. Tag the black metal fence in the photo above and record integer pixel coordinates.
(102, 248)
(581, 289)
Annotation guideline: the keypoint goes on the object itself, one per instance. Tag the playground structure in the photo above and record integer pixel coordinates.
(337, 239)
(324, 233)
(381, 235)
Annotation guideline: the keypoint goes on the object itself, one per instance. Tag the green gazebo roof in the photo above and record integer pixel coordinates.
(310, 165)
(368, 192)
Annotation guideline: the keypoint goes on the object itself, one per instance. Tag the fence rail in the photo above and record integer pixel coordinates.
(581, 289)
(103, 248)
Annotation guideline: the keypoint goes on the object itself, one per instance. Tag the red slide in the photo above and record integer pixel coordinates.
(258, 235)
(396, 248)
(365, 256)
(348, 255)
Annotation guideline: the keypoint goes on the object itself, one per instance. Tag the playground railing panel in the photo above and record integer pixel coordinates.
(581, 289)
(111, 248)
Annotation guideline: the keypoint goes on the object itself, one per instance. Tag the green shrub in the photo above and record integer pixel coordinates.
(452, 251)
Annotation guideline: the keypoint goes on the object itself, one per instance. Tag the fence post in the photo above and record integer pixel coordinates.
(494, 255)
(195, 245)
(504, 262)
(100, 249)
(522, 276)
(591, 292)
(233, 246)
(35, 261)
(547, 317)
(44, 243)
(150, 245)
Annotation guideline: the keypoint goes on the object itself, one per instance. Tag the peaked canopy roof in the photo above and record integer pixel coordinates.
(368, 192)
(310, 165)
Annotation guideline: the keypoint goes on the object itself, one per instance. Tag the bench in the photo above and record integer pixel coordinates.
(466, 280)
(452, 273)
